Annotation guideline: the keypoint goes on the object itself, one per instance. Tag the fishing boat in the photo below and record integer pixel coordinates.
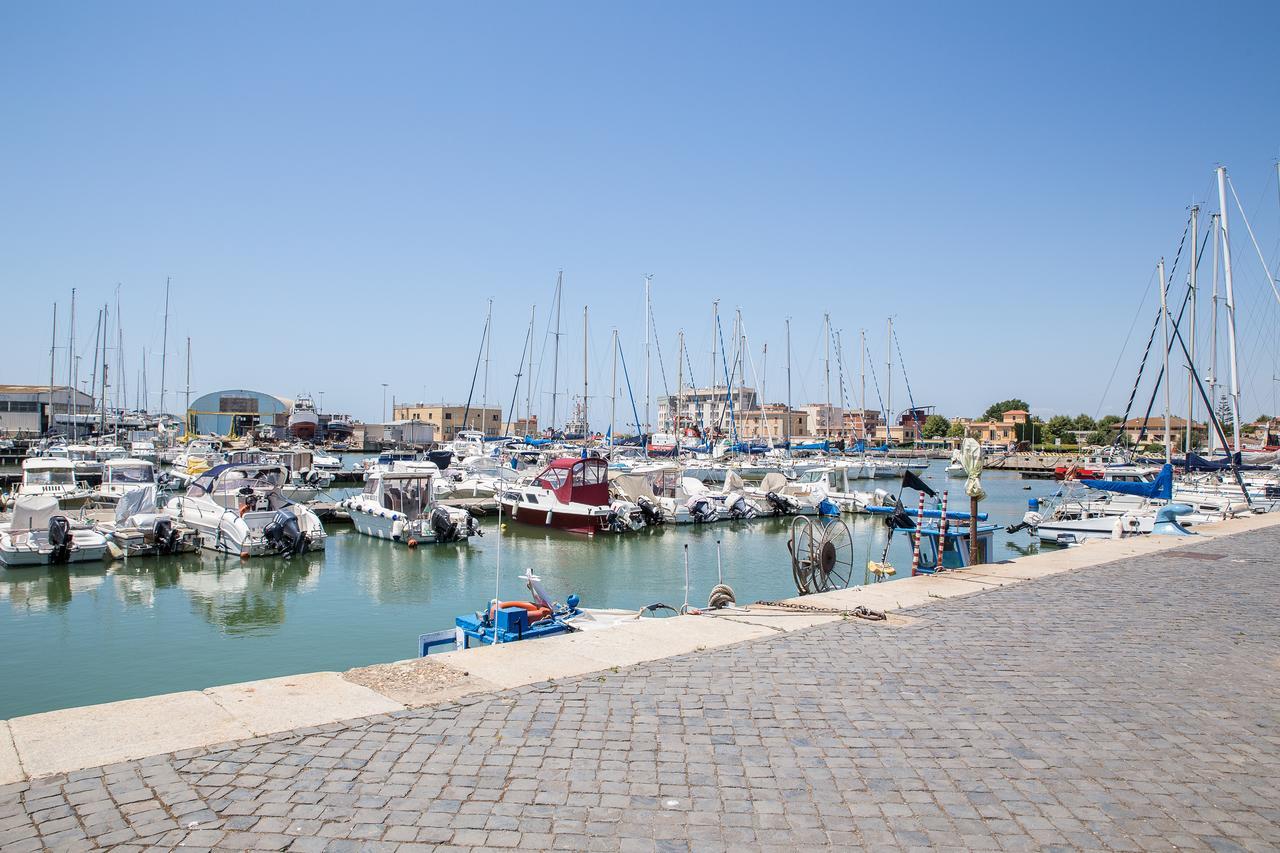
(303, 419)
(240, 509)
(121, 476)
(53, 477)
(38, 535)
(571, 494)
(513, 621)
(401, 506)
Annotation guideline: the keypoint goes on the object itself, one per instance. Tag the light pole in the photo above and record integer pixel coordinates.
(384, 403)
(322, 401)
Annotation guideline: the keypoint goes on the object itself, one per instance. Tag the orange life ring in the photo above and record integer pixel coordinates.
(536, 612)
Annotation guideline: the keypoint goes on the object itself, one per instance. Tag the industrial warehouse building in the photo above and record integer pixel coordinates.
(27, 409)
(235, 411)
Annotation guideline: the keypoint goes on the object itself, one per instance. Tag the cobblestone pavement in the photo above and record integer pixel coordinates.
(1132, 706)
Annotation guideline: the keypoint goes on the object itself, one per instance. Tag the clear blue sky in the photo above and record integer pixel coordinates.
(338, 189)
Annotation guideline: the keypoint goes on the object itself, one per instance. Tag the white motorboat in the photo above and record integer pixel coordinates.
(777, 496)
(120, 476)
(239, 509)
(303, 419)
(145, 450)
(139, 530)
(50, 476)
(83, 457)
(401, 506)
(468, 442)
(39, 535)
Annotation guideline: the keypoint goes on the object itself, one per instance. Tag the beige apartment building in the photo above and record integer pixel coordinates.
(448, 419)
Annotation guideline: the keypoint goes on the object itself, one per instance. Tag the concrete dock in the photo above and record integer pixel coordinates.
(1123, 695)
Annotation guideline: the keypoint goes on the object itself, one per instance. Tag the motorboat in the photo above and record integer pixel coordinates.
(83, 457)
(39, 535)
(468, 442)
(571, 494)
(138, 529)
(240, 509)
(143, 449)
(339, 428)
(51, 476)
(303, 419)
(324, 462)
(776, 495)
(401, 506)
(200, 455)
(514, 621)
(120, 476)
(303, 483)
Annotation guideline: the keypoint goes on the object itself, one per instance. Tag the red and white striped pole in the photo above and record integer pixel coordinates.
(915, 553)
(942, 531)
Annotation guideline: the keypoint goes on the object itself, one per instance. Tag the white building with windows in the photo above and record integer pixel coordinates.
(703, 407)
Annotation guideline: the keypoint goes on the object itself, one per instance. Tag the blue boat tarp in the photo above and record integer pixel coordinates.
(1195, 462)
(536, 442)
(812, 445)
(1161, 488)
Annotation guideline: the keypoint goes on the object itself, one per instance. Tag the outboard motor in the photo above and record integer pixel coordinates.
(313, 477)
(701, 510)
(285, 534)
(650, 512)
(60, 539)
(443, 525)
(737, 507)
(781, 504)
(165, 535)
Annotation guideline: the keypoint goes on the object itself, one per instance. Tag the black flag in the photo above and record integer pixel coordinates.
(898, 519)
(911, 481)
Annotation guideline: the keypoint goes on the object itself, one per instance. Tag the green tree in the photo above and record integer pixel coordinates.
(1059, 427)
(956, 430)
(1084, 423)
(996, 410)
(935, 426)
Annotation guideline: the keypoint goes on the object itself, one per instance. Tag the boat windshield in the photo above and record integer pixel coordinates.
(131, 474)
(815, 475)
(51, 477)
(411, 497)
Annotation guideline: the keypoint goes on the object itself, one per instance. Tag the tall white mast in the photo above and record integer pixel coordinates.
(888, 384)
(862, 378)
(484, 394)
(71, 360)
(164, 344)
(613, 392)
(675, 417)
(648, 394)
(787, 417)
(1213, 335)
(1231, 307)
(826, 368)
(53, 350)
(122, 387)
(1191, 368)
(102, 415)
(1164, 321)
(740, 343)
(711, 386)
(186, 418)
(584, 373)
(555, 362)
(528, 380)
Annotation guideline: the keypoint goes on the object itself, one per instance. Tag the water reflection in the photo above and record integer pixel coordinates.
(245, 596)
(37, 589)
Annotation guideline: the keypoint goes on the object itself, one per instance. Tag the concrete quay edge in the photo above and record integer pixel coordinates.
(71, 739)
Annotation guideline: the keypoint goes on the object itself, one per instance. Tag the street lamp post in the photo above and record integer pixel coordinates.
(384, 403)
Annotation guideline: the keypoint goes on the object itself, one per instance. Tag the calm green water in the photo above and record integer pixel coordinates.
(86, 635)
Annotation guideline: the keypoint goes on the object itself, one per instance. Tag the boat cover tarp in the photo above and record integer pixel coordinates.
(34, 512)
(1161, 488)
(536, 442)
(135, 502)
(812, 445)
(1196, 462)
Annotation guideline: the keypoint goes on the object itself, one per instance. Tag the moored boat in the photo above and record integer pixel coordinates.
(303, 419)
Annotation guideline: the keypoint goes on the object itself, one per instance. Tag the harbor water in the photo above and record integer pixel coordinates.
(94, 633)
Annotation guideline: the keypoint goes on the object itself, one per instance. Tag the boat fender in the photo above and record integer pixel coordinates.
(412, 543)
(114, 550)
(397, 529)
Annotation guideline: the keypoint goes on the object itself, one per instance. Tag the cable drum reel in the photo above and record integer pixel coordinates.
(821, 555)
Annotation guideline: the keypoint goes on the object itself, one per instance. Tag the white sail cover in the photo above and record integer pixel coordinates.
(971, 461)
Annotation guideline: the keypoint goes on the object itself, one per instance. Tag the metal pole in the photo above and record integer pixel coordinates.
(975, 554)
(711, 387)
(53, 350)
(613, 392)
(1213, 335)
(1191, 368)
(555, 363)
(585, 427)
(1231, 308)
(164, 352)
(888, 392)
(71, 358)
(484, 393)
(787, 416)
(863, 380)
(384, 409)
(648, 391)
(528, 382)
(1164, 320)
(187, 417)
(826, 369)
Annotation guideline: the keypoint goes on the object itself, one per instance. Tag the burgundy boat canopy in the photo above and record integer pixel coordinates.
(584, 481)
